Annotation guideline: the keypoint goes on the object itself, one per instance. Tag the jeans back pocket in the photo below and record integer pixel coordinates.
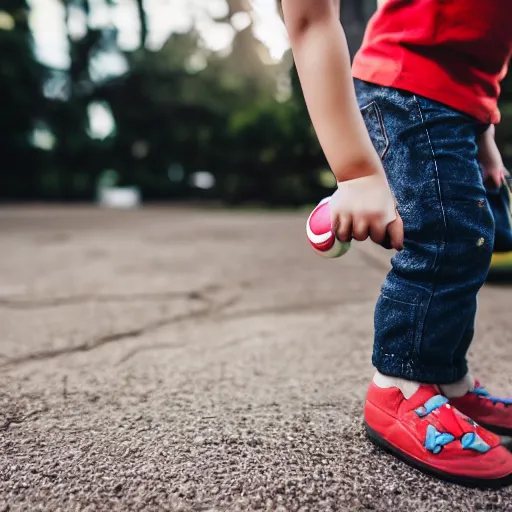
(374, 122)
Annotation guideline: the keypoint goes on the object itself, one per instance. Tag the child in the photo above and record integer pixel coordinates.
(416, 133)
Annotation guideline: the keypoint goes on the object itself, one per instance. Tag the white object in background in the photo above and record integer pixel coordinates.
(123, 198)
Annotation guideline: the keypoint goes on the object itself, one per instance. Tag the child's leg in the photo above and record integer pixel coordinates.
(425, 315)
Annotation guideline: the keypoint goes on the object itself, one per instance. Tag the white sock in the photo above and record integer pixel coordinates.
(459, 388)
(407, 387)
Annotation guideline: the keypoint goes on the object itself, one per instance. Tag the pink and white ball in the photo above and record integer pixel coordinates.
(320, 233)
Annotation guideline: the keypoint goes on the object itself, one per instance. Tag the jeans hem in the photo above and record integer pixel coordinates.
(412, 369)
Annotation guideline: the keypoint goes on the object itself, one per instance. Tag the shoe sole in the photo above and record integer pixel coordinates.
(465, 481)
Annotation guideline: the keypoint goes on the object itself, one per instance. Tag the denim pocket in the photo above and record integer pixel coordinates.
(374, 122)
(396, 327)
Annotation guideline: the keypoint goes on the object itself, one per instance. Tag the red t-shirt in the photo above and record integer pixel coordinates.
(452, 51)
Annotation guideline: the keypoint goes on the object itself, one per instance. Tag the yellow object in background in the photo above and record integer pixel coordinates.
(501, 260)
(500, 270)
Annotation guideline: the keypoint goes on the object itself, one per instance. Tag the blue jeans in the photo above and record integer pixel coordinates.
(425, 316)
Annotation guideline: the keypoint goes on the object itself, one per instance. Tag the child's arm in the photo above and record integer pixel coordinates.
(323, 64)
(363, 205)
(490, 158)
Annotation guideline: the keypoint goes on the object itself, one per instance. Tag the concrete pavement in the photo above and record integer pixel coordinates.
(174, 359)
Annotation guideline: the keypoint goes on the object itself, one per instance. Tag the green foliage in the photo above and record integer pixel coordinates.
(213, 119)
(177, 111)
(22, 104)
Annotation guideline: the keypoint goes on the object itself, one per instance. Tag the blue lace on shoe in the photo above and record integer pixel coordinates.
(481, 391)
(431, 405)
(435, 440)
(473, 441)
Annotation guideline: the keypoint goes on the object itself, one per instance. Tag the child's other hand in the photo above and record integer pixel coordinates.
(490, 159)
(364, 208)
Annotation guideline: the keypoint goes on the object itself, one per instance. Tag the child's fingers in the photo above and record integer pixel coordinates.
(378, 231)
(498, 177)
(386, 243)
(396, 233)
(343, 229)
(494, 176)
(360, 229)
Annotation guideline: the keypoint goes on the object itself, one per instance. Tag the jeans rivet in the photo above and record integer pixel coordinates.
(481, 203)
(480, 242)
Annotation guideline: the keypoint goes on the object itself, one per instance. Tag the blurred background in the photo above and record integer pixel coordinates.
(178, 100)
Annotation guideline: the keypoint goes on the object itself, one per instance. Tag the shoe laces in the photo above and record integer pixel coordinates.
(482, 393)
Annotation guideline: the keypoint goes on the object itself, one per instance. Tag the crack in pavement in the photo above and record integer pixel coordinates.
(18, 420)
(274, 310)
(165, 346)
(164, 322)
(302, 307)
(148, 348)
(9, 303)
(115, 337)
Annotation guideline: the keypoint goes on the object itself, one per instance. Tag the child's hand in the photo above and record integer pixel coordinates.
(365, 207)
(490, 158)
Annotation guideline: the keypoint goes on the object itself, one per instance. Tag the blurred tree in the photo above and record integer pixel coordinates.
(186, 107)
(166, 115)
(355, 15)
(178, 111)
(249, 61)
(78, 158)
(68, 119)
(22, 104)
(143, 22)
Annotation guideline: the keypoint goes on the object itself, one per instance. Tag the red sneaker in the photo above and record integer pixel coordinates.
(429, 434)
(492, 413)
